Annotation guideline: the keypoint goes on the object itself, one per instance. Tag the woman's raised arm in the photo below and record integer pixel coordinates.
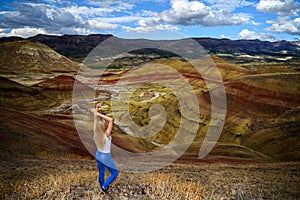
(110, 123)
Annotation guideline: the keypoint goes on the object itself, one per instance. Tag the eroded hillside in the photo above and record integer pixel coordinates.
(262, 120)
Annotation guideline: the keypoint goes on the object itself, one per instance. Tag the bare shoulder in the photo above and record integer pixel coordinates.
(96, 114)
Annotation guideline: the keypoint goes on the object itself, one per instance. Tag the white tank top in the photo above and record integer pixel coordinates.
(106, 147)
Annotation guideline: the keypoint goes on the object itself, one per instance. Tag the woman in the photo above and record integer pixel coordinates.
(102, 135)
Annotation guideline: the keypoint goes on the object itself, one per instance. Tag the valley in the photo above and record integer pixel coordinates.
(255, 96)
(48, 93)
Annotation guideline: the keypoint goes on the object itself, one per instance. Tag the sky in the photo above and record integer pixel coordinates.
(270, 20)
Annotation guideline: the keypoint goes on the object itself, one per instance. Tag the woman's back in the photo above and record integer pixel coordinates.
(107, 145)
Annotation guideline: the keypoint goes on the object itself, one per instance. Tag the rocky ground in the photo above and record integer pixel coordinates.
(69, 178)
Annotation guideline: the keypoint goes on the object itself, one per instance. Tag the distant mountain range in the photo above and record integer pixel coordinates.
(78, 47)
(74, 46)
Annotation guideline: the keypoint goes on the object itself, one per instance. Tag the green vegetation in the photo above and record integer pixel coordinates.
(105, 67)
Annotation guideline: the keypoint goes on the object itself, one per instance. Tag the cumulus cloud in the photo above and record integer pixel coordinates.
(79, 30)
(66, 17)
(86, 11)
(255, 23)
(100, 25)
(285, 24)
(188, 9)
(147, 29)
(117, 5)
(251, 35)
(287, 7)
(286, 21)
(55, 19)
(184, 12)
(22, 32)
(40, 16)
(224, 36)
(123, 19)
(228, 6)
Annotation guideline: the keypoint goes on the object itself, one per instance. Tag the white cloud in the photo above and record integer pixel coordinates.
(22, 32)
(55, 19)
(29, 31)
(287, 7)
(63, 16)
(224, 36)
(184, 12)
(79, 31)
(100, 25)
(286, 10)
(251, 35)
(255, 23)
(285, 24)
(147, 13)
(228, 6)
(188, 9)
(42, 16)
(147, 29)
(123, 19)
(117, 5)
(87, 11)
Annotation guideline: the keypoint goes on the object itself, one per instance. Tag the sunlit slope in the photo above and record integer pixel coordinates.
(17, 96)
(26, 57)
(23, 133)
(253, 99)
(264, 94)
(277, 137)
(30, 133)
(151, 92)
(262, 117)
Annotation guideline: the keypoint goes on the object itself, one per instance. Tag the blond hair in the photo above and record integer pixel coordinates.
(99, 133)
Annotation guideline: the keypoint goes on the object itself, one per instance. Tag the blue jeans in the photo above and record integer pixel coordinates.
(104, 160)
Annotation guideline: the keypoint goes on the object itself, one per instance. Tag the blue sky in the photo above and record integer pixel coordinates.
(234, 19)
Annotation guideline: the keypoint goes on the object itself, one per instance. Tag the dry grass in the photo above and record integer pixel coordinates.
(64, 178)
(167, 186)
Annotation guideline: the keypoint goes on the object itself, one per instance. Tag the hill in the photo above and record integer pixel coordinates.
(259, 97)
(262, 119)
(17, 96)
(61, 82)
(254, 101)
(264, 95)
(24, 133)
(27, 57)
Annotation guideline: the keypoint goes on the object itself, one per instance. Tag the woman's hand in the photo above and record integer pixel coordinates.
(98, 106)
